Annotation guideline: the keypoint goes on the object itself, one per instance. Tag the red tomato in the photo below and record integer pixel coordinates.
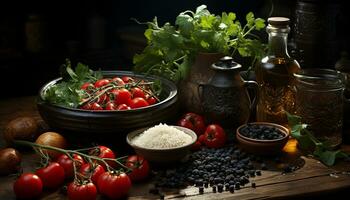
(123, 97)
(194, 122)
(110, 106)
(215, 136)
(104, 152)
(28, 186)
(86, 106)
(84, 191)
(138, 102)
(52, 175)
(101, 82)
(127, 79)
(137, 92)
(118, 80)
(151, 100)
(67, 164)
(87, 86)
(96, 106)
(196, 146)
(96, 171)
(114, 185)
(201, 139)
(103, 99)
(139, 166)
(123, 107)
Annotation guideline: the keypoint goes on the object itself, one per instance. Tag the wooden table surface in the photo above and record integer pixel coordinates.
(313, 179)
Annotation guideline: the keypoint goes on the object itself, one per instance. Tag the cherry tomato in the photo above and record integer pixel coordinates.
(52, 175)
(138, 102)
(194, 122)
(137, 92)
(123, 107)
(110, 106)
(123, 97)
(114, 185)
(95, 169)
(118, 80)
(67, 164)
(28, 186)
(196, 146)
(201, 139)
(101, 82)
(83, 191)
(104, 152)
(86, 106)
(139, 166)
(87, 86)
(151, 100)
(215, 136)
(96, 106)
(103, 99)
(127, 79)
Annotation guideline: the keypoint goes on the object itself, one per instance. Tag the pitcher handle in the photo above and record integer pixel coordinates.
(255, 86)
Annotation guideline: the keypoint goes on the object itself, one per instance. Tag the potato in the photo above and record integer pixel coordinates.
(21, 128)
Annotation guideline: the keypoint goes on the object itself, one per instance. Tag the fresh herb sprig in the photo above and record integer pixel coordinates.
(306, 140)
(68, 92)
(171, 49)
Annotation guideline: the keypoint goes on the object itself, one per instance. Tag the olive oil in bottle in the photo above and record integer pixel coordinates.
(274, 74)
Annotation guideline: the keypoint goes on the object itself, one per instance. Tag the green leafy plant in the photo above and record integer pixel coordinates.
(171, 50)
(68, 92)
(306, 140)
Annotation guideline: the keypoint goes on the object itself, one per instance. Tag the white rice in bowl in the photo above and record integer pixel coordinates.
(162, 136)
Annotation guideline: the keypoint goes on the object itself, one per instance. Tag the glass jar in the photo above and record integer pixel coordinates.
(274, 74)
(319, 102)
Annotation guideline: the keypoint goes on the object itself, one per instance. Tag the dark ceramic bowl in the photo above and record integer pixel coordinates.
(87, 121)
(263, 147)
(163, 156)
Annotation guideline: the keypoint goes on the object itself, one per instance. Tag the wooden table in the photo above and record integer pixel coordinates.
(313, 179)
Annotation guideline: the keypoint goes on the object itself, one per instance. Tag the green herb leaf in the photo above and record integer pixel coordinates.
(259, 23)
(185, 23)
(306, 140)
(250, 19)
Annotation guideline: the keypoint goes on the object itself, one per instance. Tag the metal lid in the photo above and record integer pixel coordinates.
(226, 63)
(278, 21)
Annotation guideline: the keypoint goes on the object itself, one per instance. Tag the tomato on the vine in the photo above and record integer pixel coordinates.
(110, 106)
(127, 79)
(95, 169)
(52, 175)
(151, 100)
(114, 185)
(123, 97)
(87, 86)
(137, 92)
(139, 166)
(123, 107)
(118, 80)
(104, 152)
(101, 82)
(28, 186)
(138, 102)
(81, 191)
(67, 164)
(86, 106)
(96, 106)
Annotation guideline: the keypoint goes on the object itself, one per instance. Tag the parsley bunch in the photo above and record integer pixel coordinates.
(306, 140)
(171, 50)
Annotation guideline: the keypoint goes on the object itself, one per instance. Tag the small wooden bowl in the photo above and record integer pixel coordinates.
(263, 147)
(163, 156)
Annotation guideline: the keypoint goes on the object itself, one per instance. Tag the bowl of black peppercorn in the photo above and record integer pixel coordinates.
(262, 138)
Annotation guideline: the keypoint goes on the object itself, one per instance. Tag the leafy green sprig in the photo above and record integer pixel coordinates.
(68, 92)
(306, 140)
(171, 50)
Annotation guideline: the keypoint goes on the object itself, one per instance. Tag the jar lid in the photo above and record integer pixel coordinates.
(226, 63)
(278, 21)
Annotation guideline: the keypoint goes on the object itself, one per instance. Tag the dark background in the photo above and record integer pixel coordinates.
(36, 36)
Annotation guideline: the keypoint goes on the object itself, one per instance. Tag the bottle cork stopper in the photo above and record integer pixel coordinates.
(278, 21)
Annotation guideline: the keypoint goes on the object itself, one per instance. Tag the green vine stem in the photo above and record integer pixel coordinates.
(68, 152)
